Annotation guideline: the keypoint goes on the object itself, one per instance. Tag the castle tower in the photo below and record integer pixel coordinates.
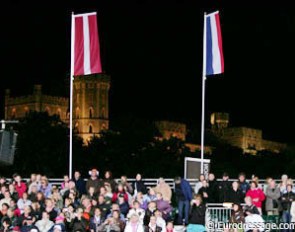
(219, 120)
(91, 105)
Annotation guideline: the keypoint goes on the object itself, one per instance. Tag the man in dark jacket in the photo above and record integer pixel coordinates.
(93, 181)
(80, 183)
(224, 188)
(235, 194)
(138, 185)
(183, 193)
(243, 184)
(286, 202)
(213, 188)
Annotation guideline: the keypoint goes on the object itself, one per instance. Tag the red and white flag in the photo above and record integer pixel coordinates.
(85, 51)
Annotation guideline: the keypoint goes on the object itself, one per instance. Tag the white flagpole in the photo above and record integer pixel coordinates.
(71, 97)
(203, 96)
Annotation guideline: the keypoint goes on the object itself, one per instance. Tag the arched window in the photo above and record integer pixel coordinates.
(90, 129)
(77, 112)
(90, 112)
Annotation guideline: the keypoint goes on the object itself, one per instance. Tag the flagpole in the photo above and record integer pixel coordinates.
(71, 98)
(203, 96)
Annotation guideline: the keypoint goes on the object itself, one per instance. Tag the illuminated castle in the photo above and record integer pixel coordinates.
(248, 139)
(90, 105)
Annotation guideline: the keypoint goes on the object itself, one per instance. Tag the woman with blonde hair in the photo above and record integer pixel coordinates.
(198, 210)
(164, 188)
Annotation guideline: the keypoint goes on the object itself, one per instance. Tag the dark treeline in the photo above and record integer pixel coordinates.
(42, 147)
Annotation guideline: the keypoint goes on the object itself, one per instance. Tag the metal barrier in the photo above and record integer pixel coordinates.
(216, 213)
(151, 182)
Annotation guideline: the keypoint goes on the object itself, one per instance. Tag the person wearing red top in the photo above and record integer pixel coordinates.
(256, 195)
(20, 187)
(120, 192)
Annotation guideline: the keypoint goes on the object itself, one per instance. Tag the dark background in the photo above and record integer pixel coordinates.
(153, 52)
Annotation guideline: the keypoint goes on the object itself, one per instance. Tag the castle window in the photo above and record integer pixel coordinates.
(77, 112)
(90, 129)
(103, 113)
(90, 112)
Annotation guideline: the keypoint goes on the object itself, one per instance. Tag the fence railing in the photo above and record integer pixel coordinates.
(151, 182)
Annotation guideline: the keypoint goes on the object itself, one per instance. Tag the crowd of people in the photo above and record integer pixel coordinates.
(107, 205)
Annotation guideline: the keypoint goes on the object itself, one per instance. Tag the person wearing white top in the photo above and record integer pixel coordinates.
(160, 221)
(22, 202)
(44, 225)
(134, 224)
(199, 184)
(136, 210)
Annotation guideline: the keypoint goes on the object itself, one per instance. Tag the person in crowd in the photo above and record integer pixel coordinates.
(116, 207)
(224, 188)
(138, 185)
(164, 188)
(198, 210)
(41, 199)
(12, 217)
(5, 225)
(257, 195)
(235, 194)
(243, 184)
(119, 192)
(286, 201)
(272, 198)
(152, 226)
(199, 184)
(3, 189)
(123, 205)
(114, 223)
(136, 209)
(79, 183)
(87, 206)
(170, 227)
(213, 188)
(57, 198)
(108, 178)
(249, 207)
(3, 212)
(283, 184)
(33, 190)
(59, 225)
(6, 199)
(45, 187)
(204, 192)
(96, 220)
(91, 193)
(103, 206)
(134, 224)
(237, 215)
(49, 208)
(36, 210)
(26, 218)
(150, 211)
(151, 196)
(163, 206)
(44, 225)
(12, 191)
(20, 186)
(127, 186)
(93, 181)
(79, 223)
(160, 220)
(105, 191)
(32, 180)
(183, 192)
(142, 200)
(23, 201)
(13, 206)
(65, 182)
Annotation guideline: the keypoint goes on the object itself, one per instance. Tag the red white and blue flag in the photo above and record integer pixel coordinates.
(85, 50)
(213, 54)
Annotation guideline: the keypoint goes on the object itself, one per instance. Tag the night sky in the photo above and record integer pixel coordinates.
(153, 53)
